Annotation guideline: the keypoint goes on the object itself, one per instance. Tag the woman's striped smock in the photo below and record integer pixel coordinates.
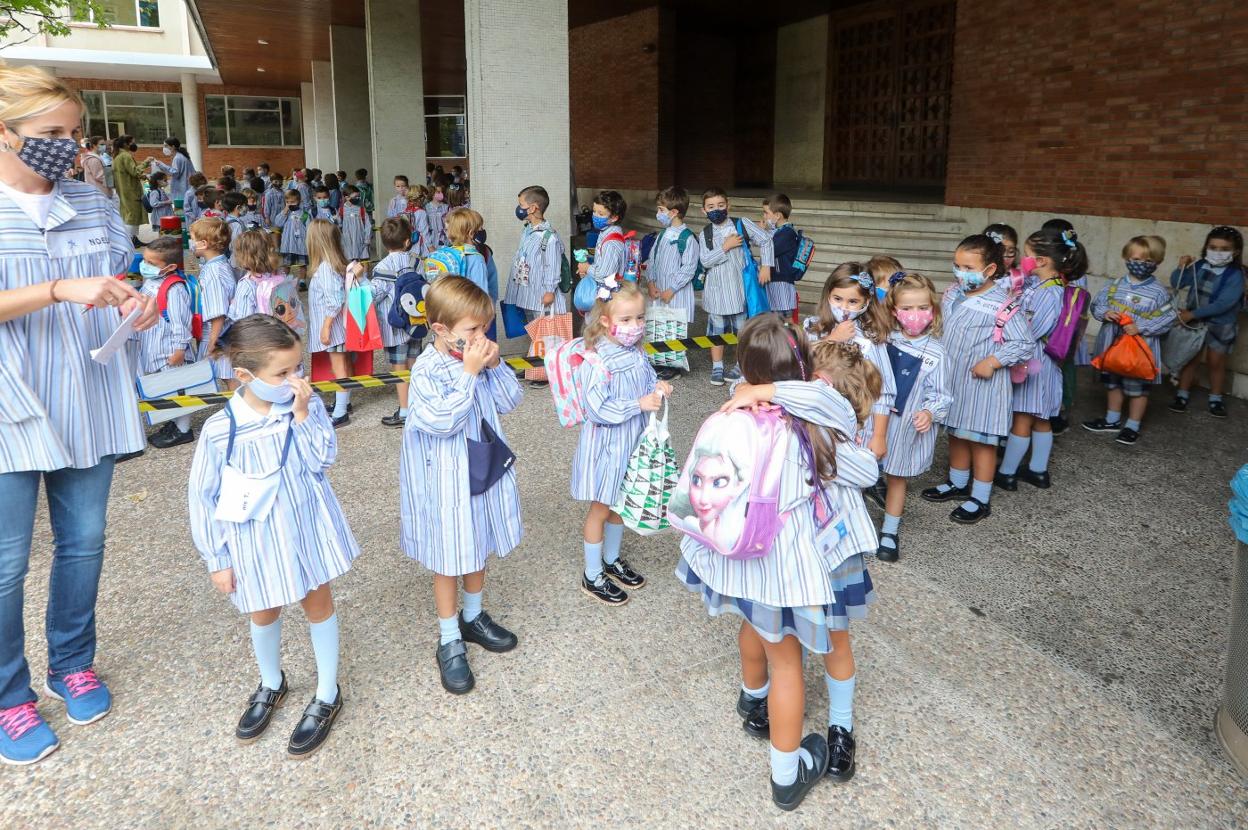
(724, 293)
(327, 298)
(535, 271)
(384, 273)
(614, 420)
(172, 332)
(216, 291)
(305, 541)
(443, 526)
(357, 231)
(671, 270)
(910, 451)
(1041, 393)
(58, 407)
(981, 406)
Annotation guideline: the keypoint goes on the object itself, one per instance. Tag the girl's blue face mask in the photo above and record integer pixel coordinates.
(881, 293)
(970, 280)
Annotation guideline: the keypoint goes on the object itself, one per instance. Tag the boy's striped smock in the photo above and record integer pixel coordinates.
(535, 270)
(671, 270)
(910, 451)
(216, 291)
(443, 526)
(305, 541)
(294, 228)
(1041, 393)
(58, 407)
(383, 280)
(614, 420)
(327, 298)
(1148, 305)
(724, 293)
(357, 231)
(172, 332)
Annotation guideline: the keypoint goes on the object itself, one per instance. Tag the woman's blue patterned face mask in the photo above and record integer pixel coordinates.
(49, 157)
(1141, 268)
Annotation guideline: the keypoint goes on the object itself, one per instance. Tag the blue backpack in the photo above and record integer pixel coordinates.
(407, 312)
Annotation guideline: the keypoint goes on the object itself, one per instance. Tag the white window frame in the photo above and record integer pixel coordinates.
(108, 122)
(282, 127)
(138, 16)
(428, 115)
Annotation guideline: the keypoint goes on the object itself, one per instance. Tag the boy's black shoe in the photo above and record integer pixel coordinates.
(877, 492)
(840, 753)
(791, 795)
(946, 492)
(259, 711)
(1035, 479)
(1178, 404)
(313, 728)
(393, 420)
(747, 703)
(604, 590)
(886, 553)
(170, 436)
(967, 517)
(127, 456)
(1128, 436)
(453, 667)
(623, 573)
(1058, 424)
(1005, 481)
(341, 421)
(486, 633)
(758, 722)
(1217, 409)
(1101, 425)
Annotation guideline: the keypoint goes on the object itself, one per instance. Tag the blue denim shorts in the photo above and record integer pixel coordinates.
(724, 323)
(1131, 387)
(1221, 338)
(400, 354)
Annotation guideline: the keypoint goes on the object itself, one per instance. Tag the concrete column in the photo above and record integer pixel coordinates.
(801, 99)
(348, 61)
(193, 140)
(307, 107)
(395, 92)
(518, 127)
(326, 154)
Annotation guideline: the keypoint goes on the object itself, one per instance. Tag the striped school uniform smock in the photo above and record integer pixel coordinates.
(216, 292)
(723, 292)
(327, 297)
(396, 206)
(613, 422)
(435, 214)
(58, 407)
(535, 270)
(980, 408)
(782, 294)
(609, 257)
(909, 451)
(443, 526)
(1147, 303)
(877, 354)
(294, 227)
(383, 283)
(272, 201)
(305, 541)
(357, 230)
(172, 332)
(162, 205)
(671, 270)
(793, 589)
(190, 206)
(1041, 393)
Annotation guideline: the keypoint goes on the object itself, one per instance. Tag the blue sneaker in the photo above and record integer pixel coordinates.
(732, 374)
(25, 737)
(717, 376)
(86, 697)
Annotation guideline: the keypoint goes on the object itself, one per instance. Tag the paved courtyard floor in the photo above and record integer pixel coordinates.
(1055, 667)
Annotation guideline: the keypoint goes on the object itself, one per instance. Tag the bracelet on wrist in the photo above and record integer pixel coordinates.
(52, 290)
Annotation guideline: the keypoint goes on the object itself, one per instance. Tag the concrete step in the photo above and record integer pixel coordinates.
(827, 228)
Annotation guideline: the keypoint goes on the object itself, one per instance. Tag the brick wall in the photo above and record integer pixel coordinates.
(1132, 108)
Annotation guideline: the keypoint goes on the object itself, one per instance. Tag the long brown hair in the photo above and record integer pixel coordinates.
(845, 368)
(770, 349)
(873, 321)
(253, 252)
(325, 246)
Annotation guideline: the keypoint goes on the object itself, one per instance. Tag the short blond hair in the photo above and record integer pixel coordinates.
(461, 224)
(1155, 245)
(27, 92)
(213, 231)
(453, 298)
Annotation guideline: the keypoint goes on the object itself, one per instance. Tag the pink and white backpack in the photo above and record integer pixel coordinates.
(567, 380)
(1012, 305)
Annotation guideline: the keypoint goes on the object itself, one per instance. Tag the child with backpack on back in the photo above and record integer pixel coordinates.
(210, 241)
(620, 388)
(611, 251)
(170, 342)
(1050, 303)
(768, 477)
(402, 347)
(533, 282)
(157, 199)
(673, 262)
(792, 252)
(263, 289)
(723, 250)
(423, 242)
(461, 256)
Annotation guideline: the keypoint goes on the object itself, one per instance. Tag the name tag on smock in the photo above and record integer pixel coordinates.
(830, 526)
(243, 498)
(66, 244)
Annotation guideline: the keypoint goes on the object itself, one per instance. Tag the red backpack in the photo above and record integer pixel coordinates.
(197, 303)
(632, 252)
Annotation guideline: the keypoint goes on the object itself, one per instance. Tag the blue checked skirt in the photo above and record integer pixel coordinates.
(851, 583)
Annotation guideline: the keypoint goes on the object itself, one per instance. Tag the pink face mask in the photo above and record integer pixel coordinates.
(437, 197)
(915, 321)
(627, 337)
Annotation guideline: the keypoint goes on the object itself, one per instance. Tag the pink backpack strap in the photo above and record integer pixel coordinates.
(1004, 314)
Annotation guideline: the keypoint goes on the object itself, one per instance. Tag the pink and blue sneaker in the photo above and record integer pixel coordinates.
(25, 737)
(86, 697)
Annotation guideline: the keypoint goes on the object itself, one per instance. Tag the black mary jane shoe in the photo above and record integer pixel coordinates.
(127, 456)
(841, 746)
(758, 721)
(623, 573)
(453, 667)
(936, 494)
(968, 517)
(393, 419)
(1035, 479)
(885, 553)
(486, 633)
(313, 728)
(1058, 424)
(1217, 409)
(341, 421)
(259, 712)
(789, 796)
(1005, 481)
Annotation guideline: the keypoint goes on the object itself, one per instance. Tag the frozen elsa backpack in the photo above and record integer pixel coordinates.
(728, 494)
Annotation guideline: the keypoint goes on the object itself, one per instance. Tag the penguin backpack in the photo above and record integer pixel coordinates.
(407, 312)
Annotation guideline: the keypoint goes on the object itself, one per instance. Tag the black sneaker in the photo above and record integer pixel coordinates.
(876, 493)
(1128, 436)
(453, 668)
(1058, 424)
(539, 384)
(841, 748)
(127, 456)
(604, 590)
(946, 492)
(259, 711)
(888, 553)
(313, 728)
(968, 517)
(1101, 425)
(394, 419)
(486, 633)
(170, 436)
(623, 573)
(747, 703)
(1035, 479)
(667, 373)
(1005, 481)
(789, 796)
(1217, 409)
(1178, 404)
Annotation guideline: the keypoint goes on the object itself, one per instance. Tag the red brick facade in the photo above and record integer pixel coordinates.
(1135, 108)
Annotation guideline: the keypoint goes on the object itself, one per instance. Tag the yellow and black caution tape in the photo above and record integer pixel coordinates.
(390, 378)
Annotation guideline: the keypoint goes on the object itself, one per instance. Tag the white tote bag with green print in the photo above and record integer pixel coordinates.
(649, 480)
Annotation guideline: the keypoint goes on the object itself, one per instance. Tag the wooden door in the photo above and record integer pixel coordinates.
(890, 75)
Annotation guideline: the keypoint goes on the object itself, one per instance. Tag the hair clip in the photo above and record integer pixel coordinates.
(896, 278)
(1070, 238)
(801, 365)
(996, 236)
(609, 286)
(866, 281)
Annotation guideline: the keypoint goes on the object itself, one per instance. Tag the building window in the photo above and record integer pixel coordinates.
(247, 121)
(120, 13)
(150, 117)
(446, 127)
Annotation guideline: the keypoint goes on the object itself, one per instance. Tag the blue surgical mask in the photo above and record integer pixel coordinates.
(717, 216)
(1141, 269)
(601, 222)
(969, 280)
(273, 393)
(522, 213)
(148, 271)
(663, 218)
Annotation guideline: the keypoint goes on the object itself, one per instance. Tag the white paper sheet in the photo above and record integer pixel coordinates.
(117, 339)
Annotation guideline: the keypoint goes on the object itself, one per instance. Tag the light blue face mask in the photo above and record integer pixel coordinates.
(273, 393)
(148, 271)
(970, 280)
(663, 218)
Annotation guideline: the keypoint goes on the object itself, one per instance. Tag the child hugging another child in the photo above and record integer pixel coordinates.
(1145, 304)
(977, 348)
(459, 503)
(267, 523)
(620, 388)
